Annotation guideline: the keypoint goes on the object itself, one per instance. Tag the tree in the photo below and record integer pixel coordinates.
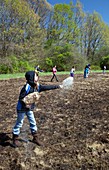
(43, 9)
(92, 37)
(63, 33)
(20, 33)
(61, 29)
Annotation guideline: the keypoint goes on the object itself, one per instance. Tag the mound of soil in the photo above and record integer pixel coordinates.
(73, 125)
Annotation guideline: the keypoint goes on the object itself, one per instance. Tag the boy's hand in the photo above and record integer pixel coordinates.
(61, 86)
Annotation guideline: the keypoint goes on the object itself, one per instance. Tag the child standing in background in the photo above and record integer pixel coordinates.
(72, 71)
(86, 71)
(54, 70)
(104, 69)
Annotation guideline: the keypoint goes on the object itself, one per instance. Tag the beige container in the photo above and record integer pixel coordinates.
(31, 98)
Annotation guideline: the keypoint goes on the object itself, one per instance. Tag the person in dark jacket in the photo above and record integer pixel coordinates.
(32, 85)
(86, 70)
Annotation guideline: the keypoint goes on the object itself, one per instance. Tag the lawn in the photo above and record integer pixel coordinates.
(21, 75)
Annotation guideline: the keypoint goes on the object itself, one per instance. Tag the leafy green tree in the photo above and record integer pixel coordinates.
(43, 9)
(33, 32)
(62, 36)
(92, 35)
(61, 29)
(20, 33)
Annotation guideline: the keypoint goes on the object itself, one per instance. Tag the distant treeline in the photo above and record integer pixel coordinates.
(33, 32)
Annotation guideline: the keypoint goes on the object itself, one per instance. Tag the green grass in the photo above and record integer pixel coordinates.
(9, 76)
(22, 75)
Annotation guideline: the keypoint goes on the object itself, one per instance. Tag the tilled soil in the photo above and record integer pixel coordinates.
(73, 125)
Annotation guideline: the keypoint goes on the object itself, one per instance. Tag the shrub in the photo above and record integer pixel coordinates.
(93, 67)
(105, 62)
(4, 69)
(15, 66)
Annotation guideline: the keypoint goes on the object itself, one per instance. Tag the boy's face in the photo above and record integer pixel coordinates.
(36, 78)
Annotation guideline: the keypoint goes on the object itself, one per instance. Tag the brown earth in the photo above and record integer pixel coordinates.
(72, 124)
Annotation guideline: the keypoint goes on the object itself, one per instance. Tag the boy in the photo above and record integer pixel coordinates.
(32, 85)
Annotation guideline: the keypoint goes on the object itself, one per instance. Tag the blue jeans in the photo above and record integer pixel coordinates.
(20, 119)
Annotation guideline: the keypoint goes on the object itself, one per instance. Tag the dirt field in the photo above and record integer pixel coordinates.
(72, 124)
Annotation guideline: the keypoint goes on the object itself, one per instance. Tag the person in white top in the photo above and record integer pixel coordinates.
(72, 71)
(104, 69)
